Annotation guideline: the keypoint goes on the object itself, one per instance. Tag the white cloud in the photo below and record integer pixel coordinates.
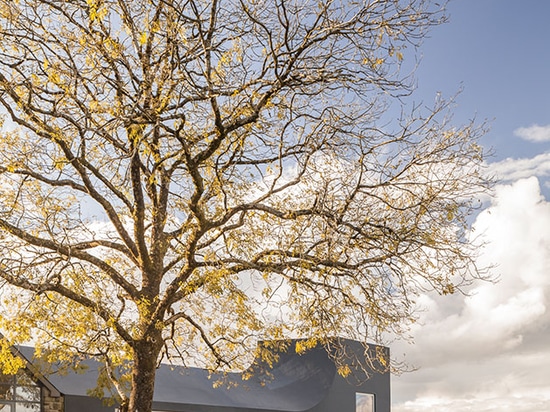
(488, 351)
(509, 170)
(534, 133)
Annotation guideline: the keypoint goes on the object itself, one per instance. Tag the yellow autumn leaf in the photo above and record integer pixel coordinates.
(143, 38)
(378, 62)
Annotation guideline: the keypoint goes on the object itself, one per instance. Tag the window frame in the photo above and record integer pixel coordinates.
(359, 396)
(13, 396)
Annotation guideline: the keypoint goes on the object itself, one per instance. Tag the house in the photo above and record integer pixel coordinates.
(295, 382)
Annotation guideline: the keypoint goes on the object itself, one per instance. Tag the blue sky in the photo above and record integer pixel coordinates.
(497, 52)
(490, 351)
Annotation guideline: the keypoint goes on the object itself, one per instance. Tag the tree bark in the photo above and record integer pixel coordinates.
(143, 376)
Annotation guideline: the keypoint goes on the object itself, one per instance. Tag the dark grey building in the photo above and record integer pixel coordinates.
(295, 382)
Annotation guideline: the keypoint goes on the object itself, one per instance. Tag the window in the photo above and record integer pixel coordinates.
(364, 402)
(19, 393)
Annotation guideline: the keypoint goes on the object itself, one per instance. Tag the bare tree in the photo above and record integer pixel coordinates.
(180, 178)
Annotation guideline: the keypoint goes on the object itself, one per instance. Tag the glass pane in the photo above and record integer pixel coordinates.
(27, 407)
(27, 393)
(5, 407)
(23, 379)
(6, 379)
(364, 402)
(6, 392)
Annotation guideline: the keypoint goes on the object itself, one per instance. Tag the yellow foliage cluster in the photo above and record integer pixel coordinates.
(9, 362)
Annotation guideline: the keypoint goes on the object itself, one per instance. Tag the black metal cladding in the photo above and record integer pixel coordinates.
(296, 382)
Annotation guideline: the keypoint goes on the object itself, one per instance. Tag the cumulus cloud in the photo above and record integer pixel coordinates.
(488, 351)
(534, 133)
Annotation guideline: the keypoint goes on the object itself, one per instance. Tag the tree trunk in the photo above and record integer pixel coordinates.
(143, 376)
